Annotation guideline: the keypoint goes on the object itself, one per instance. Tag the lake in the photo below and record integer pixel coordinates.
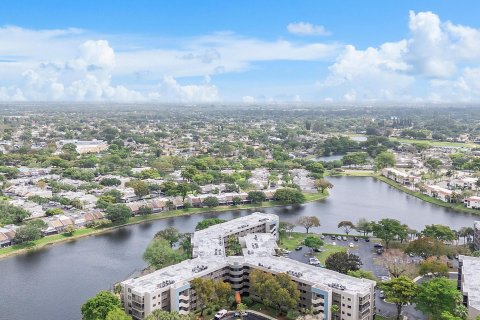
(52, 283)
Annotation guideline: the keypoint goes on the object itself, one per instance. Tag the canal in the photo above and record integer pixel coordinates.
(52, 283)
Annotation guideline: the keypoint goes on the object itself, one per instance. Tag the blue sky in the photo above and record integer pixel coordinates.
(245, 51)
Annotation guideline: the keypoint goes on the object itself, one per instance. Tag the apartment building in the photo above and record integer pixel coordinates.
(476, 235)
(169, 288)
(469, 284)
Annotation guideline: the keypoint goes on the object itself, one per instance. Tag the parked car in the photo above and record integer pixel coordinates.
(314, 261)
(334, 243)
(344, 238)
(322, 237)
(298, 248)
(351, 245)
(382, 295)
(355, 239)
(240, 314)
(378, 245)
(367, 239)
(333, 238)
(379, 251)
(220, 314)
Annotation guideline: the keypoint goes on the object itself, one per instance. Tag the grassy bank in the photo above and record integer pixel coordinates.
(455, 206)
(85, 232)
(365, 173)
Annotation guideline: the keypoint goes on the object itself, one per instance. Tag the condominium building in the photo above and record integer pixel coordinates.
(469, 284)
(169, 288)
(476, 235)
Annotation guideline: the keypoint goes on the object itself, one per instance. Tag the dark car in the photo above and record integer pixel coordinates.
(378, 245)
(355, 239)
(298, 248)
(333, 238)
(367, 239)
(379, 251)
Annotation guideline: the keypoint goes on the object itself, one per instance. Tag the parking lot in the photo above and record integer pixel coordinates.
(367, 253)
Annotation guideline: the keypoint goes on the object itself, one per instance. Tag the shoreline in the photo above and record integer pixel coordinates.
(459, 207)
(88, 232)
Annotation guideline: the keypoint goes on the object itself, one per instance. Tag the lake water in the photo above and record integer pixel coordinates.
(52, 283)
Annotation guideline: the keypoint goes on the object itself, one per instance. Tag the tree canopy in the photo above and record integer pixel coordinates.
(99, 306)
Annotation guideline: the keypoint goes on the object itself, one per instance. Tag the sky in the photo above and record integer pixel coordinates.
(240, 51)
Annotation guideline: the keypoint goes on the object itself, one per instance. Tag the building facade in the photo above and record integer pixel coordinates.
(169, 288)
(469, 284)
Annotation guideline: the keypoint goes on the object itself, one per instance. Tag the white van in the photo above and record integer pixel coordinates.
(220, 314)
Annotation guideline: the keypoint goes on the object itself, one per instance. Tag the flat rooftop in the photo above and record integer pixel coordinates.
(208, 241)
(471, 280)
(258, 251)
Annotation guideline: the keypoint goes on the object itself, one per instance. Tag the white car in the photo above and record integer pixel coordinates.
(334, 243)
(351, 245)
(314, 261)
(220, 314)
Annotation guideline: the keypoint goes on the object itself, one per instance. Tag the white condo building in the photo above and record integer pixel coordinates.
(469, 284)
(169, 288)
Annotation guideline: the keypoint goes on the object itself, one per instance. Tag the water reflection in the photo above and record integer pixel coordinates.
(52, 283)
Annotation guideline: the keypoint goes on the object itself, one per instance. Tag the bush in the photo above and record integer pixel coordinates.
(210, 202)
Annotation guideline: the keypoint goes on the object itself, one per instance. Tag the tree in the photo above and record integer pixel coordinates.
(10, 214)
(384, 159)
(438, 295)
(439, 232)
(160, 254)
(28, 232)
(400, 291)
(387, 230)
(170, 234)
(346, 226)
(69, 230)
(343, 262)
(140, 188)
(397, 263)
(256, 196)
(210, 202)
(210, 292)
(362, 274)
(364, 226)
(313, 242)
(279, 292)
(425, 247)
(118, 213)
(236, 200)
(308, 222)
(208, 223)
(289, 195)
(434, 266)
(109, 182)
(322, 184)
(183, 189)
(53, 211)
(117, 314)
(144, 210)
(98, 307)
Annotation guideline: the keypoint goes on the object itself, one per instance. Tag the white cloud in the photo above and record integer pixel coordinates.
(248, 99)
(307, 29)
(171, 90)
(434, 53)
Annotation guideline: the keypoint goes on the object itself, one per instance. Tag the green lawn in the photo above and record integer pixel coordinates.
(139, 219)
(328, 250)
(454, 206)
(296, 238)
